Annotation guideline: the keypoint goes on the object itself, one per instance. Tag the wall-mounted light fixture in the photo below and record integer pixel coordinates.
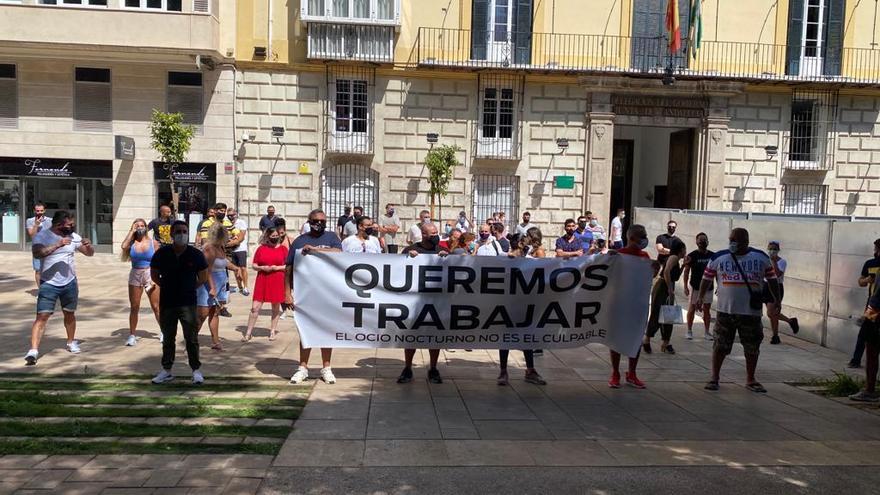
(563, 144)
(432, 137)
(771, 151)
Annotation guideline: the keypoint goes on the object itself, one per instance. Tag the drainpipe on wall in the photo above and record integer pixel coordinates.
(269, 33)
(235, 195)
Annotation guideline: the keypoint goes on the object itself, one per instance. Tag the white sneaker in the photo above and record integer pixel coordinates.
(73, 347)
(30, 358)
(198, 377)
(283, 315)
(163, 377)
(161, 338)
(301, 375)
(132, 341)
(327, 375)
(689, 335)
(708, 337)
(245, 292)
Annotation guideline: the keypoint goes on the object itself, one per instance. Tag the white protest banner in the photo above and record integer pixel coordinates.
(468, 302)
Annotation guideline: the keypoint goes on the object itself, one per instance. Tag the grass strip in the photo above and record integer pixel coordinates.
(111, 429)
(33, 447)
(30, 409)
(43, 398)
(145, 386)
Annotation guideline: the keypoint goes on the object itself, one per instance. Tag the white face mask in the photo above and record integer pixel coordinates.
(181, 239)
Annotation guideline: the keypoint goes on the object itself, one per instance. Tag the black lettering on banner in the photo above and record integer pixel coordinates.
(358, 311)
(465, 283)
(591, 275)
(385, 318)
(527, 320)
(517, 279)
(371, 284)
(424, 278)
(486, 278)
(586, 311)
(547, 318)
(554, 279)
(386, 279)
(464, 317)
(423, 321)
(498, 316)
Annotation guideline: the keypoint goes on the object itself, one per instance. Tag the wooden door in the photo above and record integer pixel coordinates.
(621, 176)
(678, 182)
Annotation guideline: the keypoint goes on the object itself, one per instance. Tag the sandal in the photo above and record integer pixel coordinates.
(273, 335)
(756, 387)
(247, 337)
(711, 385)
(217, 347)
(647, 347)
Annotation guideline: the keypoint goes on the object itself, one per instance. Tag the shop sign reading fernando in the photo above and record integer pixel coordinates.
(56, 168)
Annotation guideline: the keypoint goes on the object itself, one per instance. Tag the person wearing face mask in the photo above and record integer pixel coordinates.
(351, 227)
(867, 278)
(365, 241)
(415, 232)
(569, 245)
(217, 214)
(429, 244)
(452, 241)
(319, 239)
(664, 242)
(637, 241)
(597, 230)
(487, 244)
(239, 253)
(343, 219)
(55, 248)
(462, 223)
(583, 232)
(179, 269)
(664, 293)
(774, 307)
(694, 265)
(269, 263)
(741, 272)
(617, 229)
(138, 248)
(389, 226)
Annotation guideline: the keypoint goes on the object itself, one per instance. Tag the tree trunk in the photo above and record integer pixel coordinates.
(432, 207)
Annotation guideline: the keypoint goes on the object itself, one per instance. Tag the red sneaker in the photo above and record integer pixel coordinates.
(634, 381)
(614, 382)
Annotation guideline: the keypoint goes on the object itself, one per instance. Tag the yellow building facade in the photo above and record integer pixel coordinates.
(559, 106)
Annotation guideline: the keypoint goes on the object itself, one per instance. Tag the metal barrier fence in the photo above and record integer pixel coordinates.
(825, 255)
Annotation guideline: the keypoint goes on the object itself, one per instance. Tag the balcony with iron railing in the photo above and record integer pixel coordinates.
(605, 54)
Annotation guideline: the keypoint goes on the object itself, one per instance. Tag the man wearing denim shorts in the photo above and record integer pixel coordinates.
(740, 271)
(55, 248)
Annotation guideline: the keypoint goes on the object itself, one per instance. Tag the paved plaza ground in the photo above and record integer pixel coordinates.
(367, 434)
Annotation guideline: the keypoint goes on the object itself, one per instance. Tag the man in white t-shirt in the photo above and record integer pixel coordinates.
(740, 272)
(350, 228)
(415, 232)
(365, 241)
(55, 248)
(240, 253)
(523, 228)
(617, 229)
(34, 225)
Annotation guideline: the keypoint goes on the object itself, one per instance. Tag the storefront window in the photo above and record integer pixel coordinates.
(196, 185)
(10, 210)
(97, 215)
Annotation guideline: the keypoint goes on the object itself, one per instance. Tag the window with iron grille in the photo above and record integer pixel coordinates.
(92, 108)
(493, 194)
(348, 184)
(804, 199)
(500, 116)
(810, 138)
(350, 109)
(76, 3)
(185, 92)
(351, 42)
(8, 97)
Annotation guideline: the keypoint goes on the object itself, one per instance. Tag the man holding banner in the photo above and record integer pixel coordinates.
(318, 239)
(637, 241)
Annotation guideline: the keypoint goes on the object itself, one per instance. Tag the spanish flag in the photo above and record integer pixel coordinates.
(673, 29)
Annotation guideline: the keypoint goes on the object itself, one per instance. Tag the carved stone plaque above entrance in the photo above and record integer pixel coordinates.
(659, 106)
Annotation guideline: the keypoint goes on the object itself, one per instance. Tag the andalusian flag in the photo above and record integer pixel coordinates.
(696, 30)
(673, 29)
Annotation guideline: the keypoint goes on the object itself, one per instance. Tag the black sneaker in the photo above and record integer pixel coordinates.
(538, 352)
(669, 350)
(775, 340)
(795, 326)
(406, 376)
(225, 313)
(854, 364)
(433, 376)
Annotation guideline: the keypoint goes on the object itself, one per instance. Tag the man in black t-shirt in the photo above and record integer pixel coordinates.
(161, 226)
(694, 265)
(178, 269)
(868, 278)
(430, 244)
(267, 220)
(342, 220)
(664, 242)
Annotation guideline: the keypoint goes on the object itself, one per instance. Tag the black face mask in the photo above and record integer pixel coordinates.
(702, 245)
(371, 231)
(220, 216)
(671, 230)
(582, 225)
(317, 228)
(434, 240)
(66, 231)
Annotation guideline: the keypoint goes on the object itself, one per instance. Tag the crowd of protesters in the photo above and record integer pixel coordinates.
(188, 283)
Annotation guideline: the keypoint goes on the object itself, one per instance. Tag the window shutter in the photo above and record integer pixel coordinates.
(479, 29)
(188, 101)
(522, 37)
(795, 37)
(647, 33)
(8, 103)
(201, 6)
(834, 37)
(92, 108)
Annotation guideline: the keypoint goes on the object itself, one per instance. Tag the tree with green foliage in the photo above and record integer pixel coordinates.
(441, 163)
(171, 139)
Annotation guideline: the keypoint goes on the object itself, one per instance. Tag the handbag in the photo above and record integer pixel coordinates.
(671, 314)
(755, 300)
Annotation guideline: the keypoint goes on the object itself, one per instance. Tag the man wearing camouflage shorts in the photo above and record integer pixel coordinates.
(740, 272)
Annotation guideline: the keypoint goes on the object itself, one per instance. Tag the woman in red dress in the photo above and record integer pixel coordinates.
(269, 288)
